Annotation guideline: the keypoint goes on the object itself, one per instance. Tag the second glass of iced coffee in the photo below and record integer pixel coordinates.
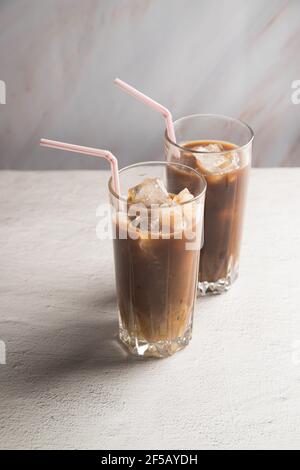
(220, 149)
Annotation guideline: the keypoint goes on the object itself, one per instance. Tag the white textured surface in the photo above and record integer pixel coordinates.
(68, 383)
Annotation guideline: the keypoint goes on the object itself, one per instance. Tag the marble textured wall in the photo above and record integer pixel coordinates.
(58, 59)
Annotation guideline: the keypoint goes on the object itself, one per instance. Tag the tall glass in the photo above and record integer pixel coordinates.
(156, 262)
(226, 170)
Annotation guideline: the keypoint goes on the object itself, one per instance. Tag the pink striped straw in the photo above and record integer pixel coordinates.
(91, 152)
(153, 104)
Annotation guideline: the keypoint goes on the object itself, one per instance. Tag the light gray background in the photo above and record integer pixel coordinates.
(59, 58)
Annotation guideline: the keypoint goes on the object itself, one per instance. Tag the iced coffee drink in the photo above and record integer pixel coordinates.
(225, 166)
(156, 248)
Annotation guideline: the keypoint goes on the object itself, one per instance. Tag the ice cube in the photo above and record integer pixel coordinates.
(217, 163)
(183, 196)
(150, 191)
(209, 148)
(162, 220)
(160, 223)
(187, 209)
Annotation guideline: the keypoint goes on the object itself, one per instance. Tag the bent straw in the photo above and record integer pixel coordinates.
(91, 152)
(153, 104)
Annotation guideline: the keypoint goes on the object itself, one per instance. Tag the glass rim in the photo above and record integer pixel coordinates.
(164, 163)
(237, 121)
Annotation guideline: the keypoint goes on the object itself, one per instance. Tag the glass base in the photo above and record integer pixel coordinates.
(140, 347)
(218, 287)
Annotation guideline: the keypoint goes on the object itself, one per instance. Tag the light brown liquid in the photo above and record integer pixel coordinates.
(157, 271)
(224, 209)
(156, 287)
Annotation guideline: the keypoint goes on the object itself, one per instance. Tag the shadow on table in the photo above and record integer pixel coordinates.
(60, 346)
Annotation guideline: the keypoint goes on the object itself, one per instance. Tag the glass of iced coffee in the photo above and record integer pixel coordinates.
(220, 149)
(157, 236)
